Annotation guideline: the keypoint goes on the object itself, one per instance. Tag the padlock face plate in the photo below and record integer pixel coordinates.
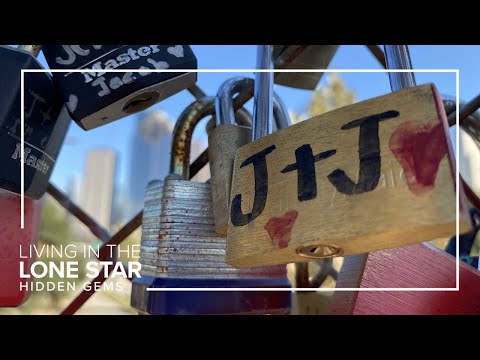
(98, 98)
(45, 123)
(179, 248)
(223, 142)
(373, 175)
(75, 56)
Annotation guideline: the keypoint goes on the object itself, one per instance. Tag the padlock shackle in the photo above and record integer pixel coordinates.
(280, 113)
(263, 93)
(183, 131)
(242, 118)
(32, 49)
(224, 100)
(225, 113)
(398, 57)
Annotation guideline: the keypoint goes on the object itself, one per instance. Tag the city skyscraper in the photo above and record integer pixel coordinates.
(150, 157)
(98, 185)
(74, 188)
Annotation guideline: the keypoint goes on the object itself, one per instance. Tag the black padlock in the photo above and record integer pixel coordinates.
(97, 98)
(46, 122)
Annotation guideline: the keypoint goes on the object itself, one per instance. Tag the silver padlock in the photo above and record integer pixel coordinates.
(224, 141)
(180, 248)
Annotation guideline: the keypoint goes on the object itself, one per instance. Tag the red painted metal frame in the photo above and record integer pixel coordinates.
(414, 266)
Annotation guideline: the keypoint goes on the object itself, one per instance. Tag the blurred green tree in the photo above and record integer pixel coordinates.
(332, 95)
(56, 231)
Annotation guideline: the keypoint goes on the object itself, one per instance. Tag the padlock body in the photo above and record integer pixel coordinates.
(223, 142)
(180, 248)
(158, 302)
(98, 98)
(14, 290)
(373, 175)
(313, 57)
(46, 123)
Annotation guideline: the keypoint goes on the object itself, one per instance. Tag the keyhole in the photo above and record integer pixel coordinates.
(141, 102)
(319, 251)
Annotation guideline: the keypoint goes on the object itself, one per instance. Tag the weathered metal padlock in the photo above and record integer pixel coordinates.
(45, 116)
(312, 57)
(98, 98)
(226, 139)
(386, 163)
(180, 248)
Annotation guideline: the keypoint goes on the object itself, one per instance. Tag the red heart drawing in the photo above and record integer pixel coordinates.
(419, 147)
(280, 228)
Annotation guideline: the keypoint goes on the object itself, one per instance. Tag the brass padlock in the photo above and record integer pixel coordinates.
(374, 175)
(226, 138)
(180, 248)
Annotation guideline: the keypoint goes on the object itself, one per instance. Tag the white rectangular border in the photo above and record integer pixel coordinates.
(457, 171)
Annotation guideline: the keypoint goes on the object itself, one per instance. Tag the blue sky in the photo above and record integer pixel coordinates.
(117, 135)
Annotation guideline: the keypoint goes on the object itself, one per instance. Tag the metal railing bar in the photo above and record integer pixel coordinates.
(378, 53)
(465, 111)
(116, 239)
(199, 162)
(197, 92)
(96, 229)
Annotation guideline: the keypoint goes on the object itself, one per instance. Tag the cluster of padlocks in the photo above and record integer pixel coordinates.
(278, 194)
(90, 98)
